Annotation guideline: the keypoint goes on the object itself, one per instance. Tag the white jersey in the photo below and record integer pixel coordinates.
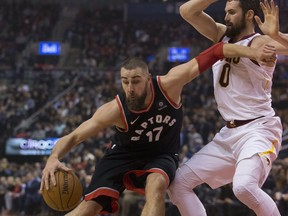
(242, 88)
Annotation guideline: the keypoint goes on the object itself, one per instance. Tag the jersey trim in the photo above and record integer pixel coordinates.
(271, 150)
(247, 36)
(162, 172)
(129, 184)
(176, 106)
(243, 38)
(102, 191)
(122, 115)
(105, 191)
(249, 45)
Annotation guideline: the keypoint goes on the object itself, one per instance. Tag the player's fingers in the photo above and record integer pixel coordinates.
(267, 6)
(268, 63)
(65, 168)
(52, 177)
(45, 179)
(269, 46)
(41, 185)
(272, 5)
(270, 56)
(258, 20)
(263, 8)
(269, 49)
(277, 12)
(271, 59)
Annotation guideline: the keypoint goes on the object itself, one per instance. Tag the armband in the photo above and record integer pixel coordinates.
(208, 57)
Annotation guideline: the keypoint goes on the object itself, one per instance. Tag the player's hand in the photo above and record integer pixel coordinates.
(52, 165)
(270, 26)
(266, 55)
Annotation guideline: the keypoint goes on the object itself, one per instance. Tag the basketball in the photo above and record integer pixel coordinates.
(66, 194)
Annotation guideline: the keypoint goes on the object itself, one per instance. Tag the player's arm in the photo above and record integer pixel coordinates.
(105, 116)
(281, 43)
(180, 75)
(193, 12)
(270, 27)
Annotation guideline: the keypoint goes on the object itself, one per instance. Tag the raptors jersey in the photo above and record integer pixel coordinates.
(153, 130)
(242, 88)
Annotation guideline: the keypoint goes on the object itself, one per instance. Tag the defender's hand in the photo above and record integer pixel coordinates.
(270, 26)
(266, 55)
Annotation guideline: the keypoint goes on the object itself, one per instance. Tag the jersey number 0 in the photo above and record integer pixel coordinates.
(224, 78)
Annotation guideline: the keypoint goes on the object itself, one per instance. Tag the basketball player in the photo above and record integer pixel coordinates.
(243, 151)
(147, 119)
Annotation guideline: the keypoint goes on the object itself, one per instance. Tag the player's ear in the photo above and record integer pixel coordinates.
(250, 15)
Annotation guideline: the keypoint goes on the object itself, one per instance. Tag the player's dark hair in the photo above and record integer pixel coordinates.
(134, 62)
(247, 5)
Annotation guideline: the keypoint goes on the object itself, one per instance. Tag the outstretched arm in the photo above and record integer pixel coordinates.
(193, 12)
(270, 26)
(107, 115)
(264, 56)
(182, 74)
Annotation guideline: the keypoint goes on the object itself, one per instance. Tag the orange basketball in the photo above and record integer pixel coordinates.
(66, 194)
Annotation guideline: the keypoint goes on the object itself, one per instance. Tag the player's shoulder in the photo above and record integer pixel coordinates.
(112, 103)
(259, 40)
(109, 107)
(109, 113)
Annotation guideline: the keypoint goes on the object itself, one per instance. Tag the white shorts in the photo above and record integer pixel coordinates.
(216, 162)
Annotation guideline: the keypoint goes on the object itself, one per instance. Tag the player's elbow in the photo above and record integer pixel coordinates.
(186, 12)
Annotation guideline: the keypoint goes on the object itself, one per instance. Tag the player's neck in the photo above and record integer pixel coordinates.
(246, 32)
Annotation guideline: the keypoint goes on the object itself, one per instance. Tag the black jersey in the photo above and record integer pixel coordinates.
(153, 130)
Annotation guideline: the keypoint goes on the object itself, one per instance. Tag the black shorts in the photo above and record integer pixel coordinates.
(120, 169)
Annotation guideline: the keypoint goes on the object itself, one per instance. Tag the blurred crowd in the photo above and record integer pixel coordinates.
(51, 103)
(21, 24)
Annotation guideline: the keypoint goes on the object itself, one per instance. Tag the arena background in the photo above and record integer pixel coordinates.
(59, 61)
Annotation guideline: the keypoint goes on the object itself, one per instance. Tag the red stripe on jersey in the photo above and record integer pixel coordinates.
(122, 114)
(249, 45)
(129, 184)
(105, 191)
(176, 106)
(102, 191)
(157, 170)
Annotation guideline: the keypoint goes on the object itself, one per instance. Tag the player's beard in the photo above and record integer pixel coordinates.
(138, 103)
(233, 30)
